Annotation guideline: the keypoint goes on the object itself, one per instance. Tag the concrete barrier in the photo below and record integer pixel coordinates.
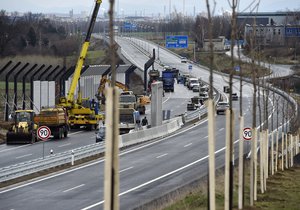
(151, 133)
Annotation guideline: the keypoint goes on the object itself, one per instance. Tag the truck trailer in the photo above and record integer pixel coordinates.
(56, 119)
(168, 80)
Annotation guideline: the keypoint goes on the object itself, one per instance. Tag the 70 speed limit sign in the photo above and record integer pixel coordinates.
(43, 133)
(247, 134)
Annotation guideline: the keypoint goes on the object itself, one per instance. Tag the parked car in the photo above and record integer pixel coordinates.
(222, 106)
(100, 134)
(183, 60)
(196, 88)
(235, 97)
(191, 82)
(203, 96)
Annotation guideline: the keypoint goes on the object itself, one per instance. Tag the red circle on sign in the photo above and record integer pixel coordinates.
(247, 134)
(43, 132)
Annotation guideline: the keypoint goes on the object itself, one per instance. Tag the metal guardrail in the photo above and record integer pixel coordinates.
(51, 161)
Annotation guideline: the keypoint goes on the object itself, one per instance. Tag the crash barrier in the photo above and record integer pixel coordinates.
(51, 161)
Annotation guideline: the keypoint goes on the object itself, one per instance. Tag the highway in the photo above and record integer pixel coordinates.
(13, 154)
(147, 171)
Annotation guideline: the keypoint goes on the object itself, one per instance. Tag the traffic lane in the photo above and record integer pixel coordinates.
(169, 182)
(13, 154)
(49, 186)
(160, 149)
(134, 54)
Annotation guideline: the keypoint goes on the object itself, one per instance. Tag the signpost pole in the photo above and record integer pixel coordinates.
(43, 149)
(43, 133)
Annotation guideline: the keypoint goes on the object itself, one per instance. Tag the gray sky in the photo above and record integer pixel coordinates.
(148, 7)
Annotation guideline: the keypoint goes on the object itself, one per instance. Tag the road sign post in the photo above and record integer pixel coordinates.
(247, 134)
(43, 133)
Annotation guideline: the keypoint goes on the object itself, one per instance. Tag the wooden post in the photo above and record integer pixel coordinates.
(272, 153)
(282, 151)
(276, 155)
(111, 173)
(227, 161)
(287, 151)
(241, 161)
(211, 150)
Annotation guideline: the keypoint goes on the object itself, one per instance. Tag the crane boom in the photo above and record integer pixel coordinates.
(82, 56)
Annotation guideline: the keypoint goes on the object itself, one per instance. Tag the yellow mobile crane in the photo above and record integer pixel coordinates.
(80, 113)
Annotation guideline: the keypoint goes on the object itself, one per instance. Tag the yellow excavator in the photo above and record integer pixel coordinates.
(23, 129)
(101, 93)
(82, 112)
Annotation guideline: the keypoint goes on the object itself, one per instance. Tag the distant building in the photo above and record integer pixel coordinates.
(273, 35)
(271, 28)
(268, 18)
(218, 44)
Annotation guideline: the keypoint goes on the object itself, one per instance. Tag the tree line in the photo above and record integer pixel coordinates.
(35, 34)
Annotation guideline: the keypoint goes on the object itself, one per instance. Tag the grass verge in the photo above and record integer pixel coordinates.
(283, 192)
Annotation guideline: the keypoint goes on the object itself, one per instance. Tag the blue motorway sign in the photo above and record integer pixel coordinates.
(176, 41)
(129, 26)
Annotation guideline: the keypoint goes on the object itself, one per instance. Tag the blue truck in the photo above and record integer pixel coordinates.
(168, 80)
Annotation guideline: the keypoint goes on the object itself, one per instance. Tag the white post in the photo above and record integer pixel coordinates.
(266, 154)
(261, 162)
(241, 161)
(255, 162)
(227, 161)
(72, 157)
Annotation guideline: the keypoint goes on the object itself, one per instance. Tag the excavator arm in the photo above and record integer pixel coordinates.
(82, 56)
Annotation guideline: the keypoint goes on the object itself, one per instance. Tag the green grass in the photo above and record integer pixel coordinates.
(283, 192)
(95, 56)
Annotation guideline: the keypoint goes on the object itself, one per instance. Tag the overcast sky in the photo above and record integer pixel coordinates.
(148, 7)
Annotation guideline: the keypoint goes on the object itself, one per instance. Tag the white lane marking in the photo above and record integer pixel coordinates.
(221, 129)
(188, 145)
(125, 169)
(73, 188)
(23, 156)
(162, 155)
(206, 137)
(156, 179)
(97, 162)
(63, 145)
(71, 134)
(15, 148)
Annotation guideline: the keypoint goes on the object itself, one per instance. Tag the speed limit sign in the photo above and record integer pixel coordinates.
(247, 134)
(43, 132)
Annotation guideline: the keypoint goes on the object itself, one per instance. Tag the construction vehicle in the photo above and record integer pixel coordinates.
(154, 76)
(82, 112)
(168, 80)
(23, 129)
(129, 100)
(104, 80)
(129, 119)
(54, 118)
